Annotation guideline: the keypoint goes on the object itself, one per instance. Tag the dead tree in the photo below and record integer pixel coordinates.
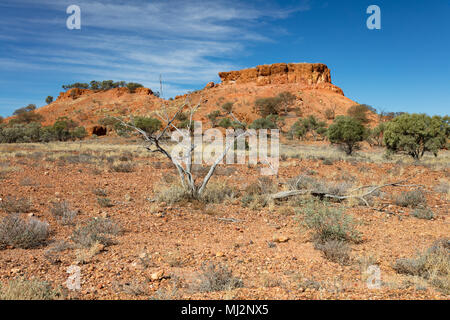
(155, 144)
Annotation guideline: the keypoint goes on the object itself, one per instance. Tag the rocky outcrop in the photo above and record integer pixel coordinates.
(313, 75)
(116, 92)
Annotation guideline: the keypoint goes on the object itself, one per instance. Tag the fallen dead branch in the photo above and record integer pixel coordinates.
(322, 195)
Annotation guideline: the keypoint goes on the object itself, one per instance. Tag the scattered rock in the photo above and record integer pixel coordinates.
(159, 275)
(280, 239)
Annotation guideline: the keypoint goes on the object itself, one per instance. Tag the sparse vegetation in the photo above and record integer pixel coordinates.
(96, 230)
(423, 213)
(105, 202)
(18, 233)
(23, 289)
(329, 223)
(217, 278)
(335, 250)
(412, 199)
(122, 167)
(103, 85)
(263, 123)
(15, 205)
(433, 265)
(62, 212)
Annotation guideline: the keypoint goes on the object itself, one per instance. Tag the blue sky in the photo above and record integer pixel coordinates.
(405, 66)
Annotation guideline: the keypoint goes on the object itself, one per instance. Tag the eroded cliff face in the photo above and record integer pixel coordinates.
(306, 75)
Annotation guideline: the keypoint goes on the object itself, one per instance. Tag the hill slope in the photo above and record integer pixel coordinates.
(310, 83)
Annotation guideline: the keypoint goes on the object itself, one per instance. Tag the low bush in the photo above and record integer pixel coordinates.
(122, 167)
(217, 193)
(19, 233)
(217, 278)
(329, 223)
(15, 205)
(412, 199)
(423, 213)
(263, 123)
(22, 289)
(63, 213)
(96, 230)
(336, 251)
(433, 265)
(105, 202)
(173, 194)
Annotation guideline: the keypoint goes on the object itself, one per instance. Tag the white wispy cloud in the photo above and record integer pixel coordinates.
(187, 42)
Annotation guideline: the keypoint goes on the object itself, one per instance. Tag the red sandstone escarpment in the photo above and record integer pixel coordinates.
(306, 75)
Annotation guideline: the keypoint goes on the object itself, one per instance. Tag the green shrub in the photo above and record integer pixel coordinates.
(330, 114)
(346, 132)
(26, 115)
(49, 100)
(415, 134)
(329, 223)
(310, 124)
(423, 213)
(227, 107)
(147, 124)
(132, 86)
(376, 135)
(213, 117)
(62, 130)
(262, 123)
(225, 123)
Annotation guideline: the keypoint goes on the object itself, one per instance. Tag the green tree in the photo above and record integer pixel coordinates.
(49, 100)
(227, 107)
(359, 112)
(346, 132)
(263, 123)
(286, 99)
(415, 134)
(213, 117)
(62, 128)
(310, 124)
(225, 123)
(375, 137)
(132, 86)
(26, 115)
(268, 106)
(148, 124)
